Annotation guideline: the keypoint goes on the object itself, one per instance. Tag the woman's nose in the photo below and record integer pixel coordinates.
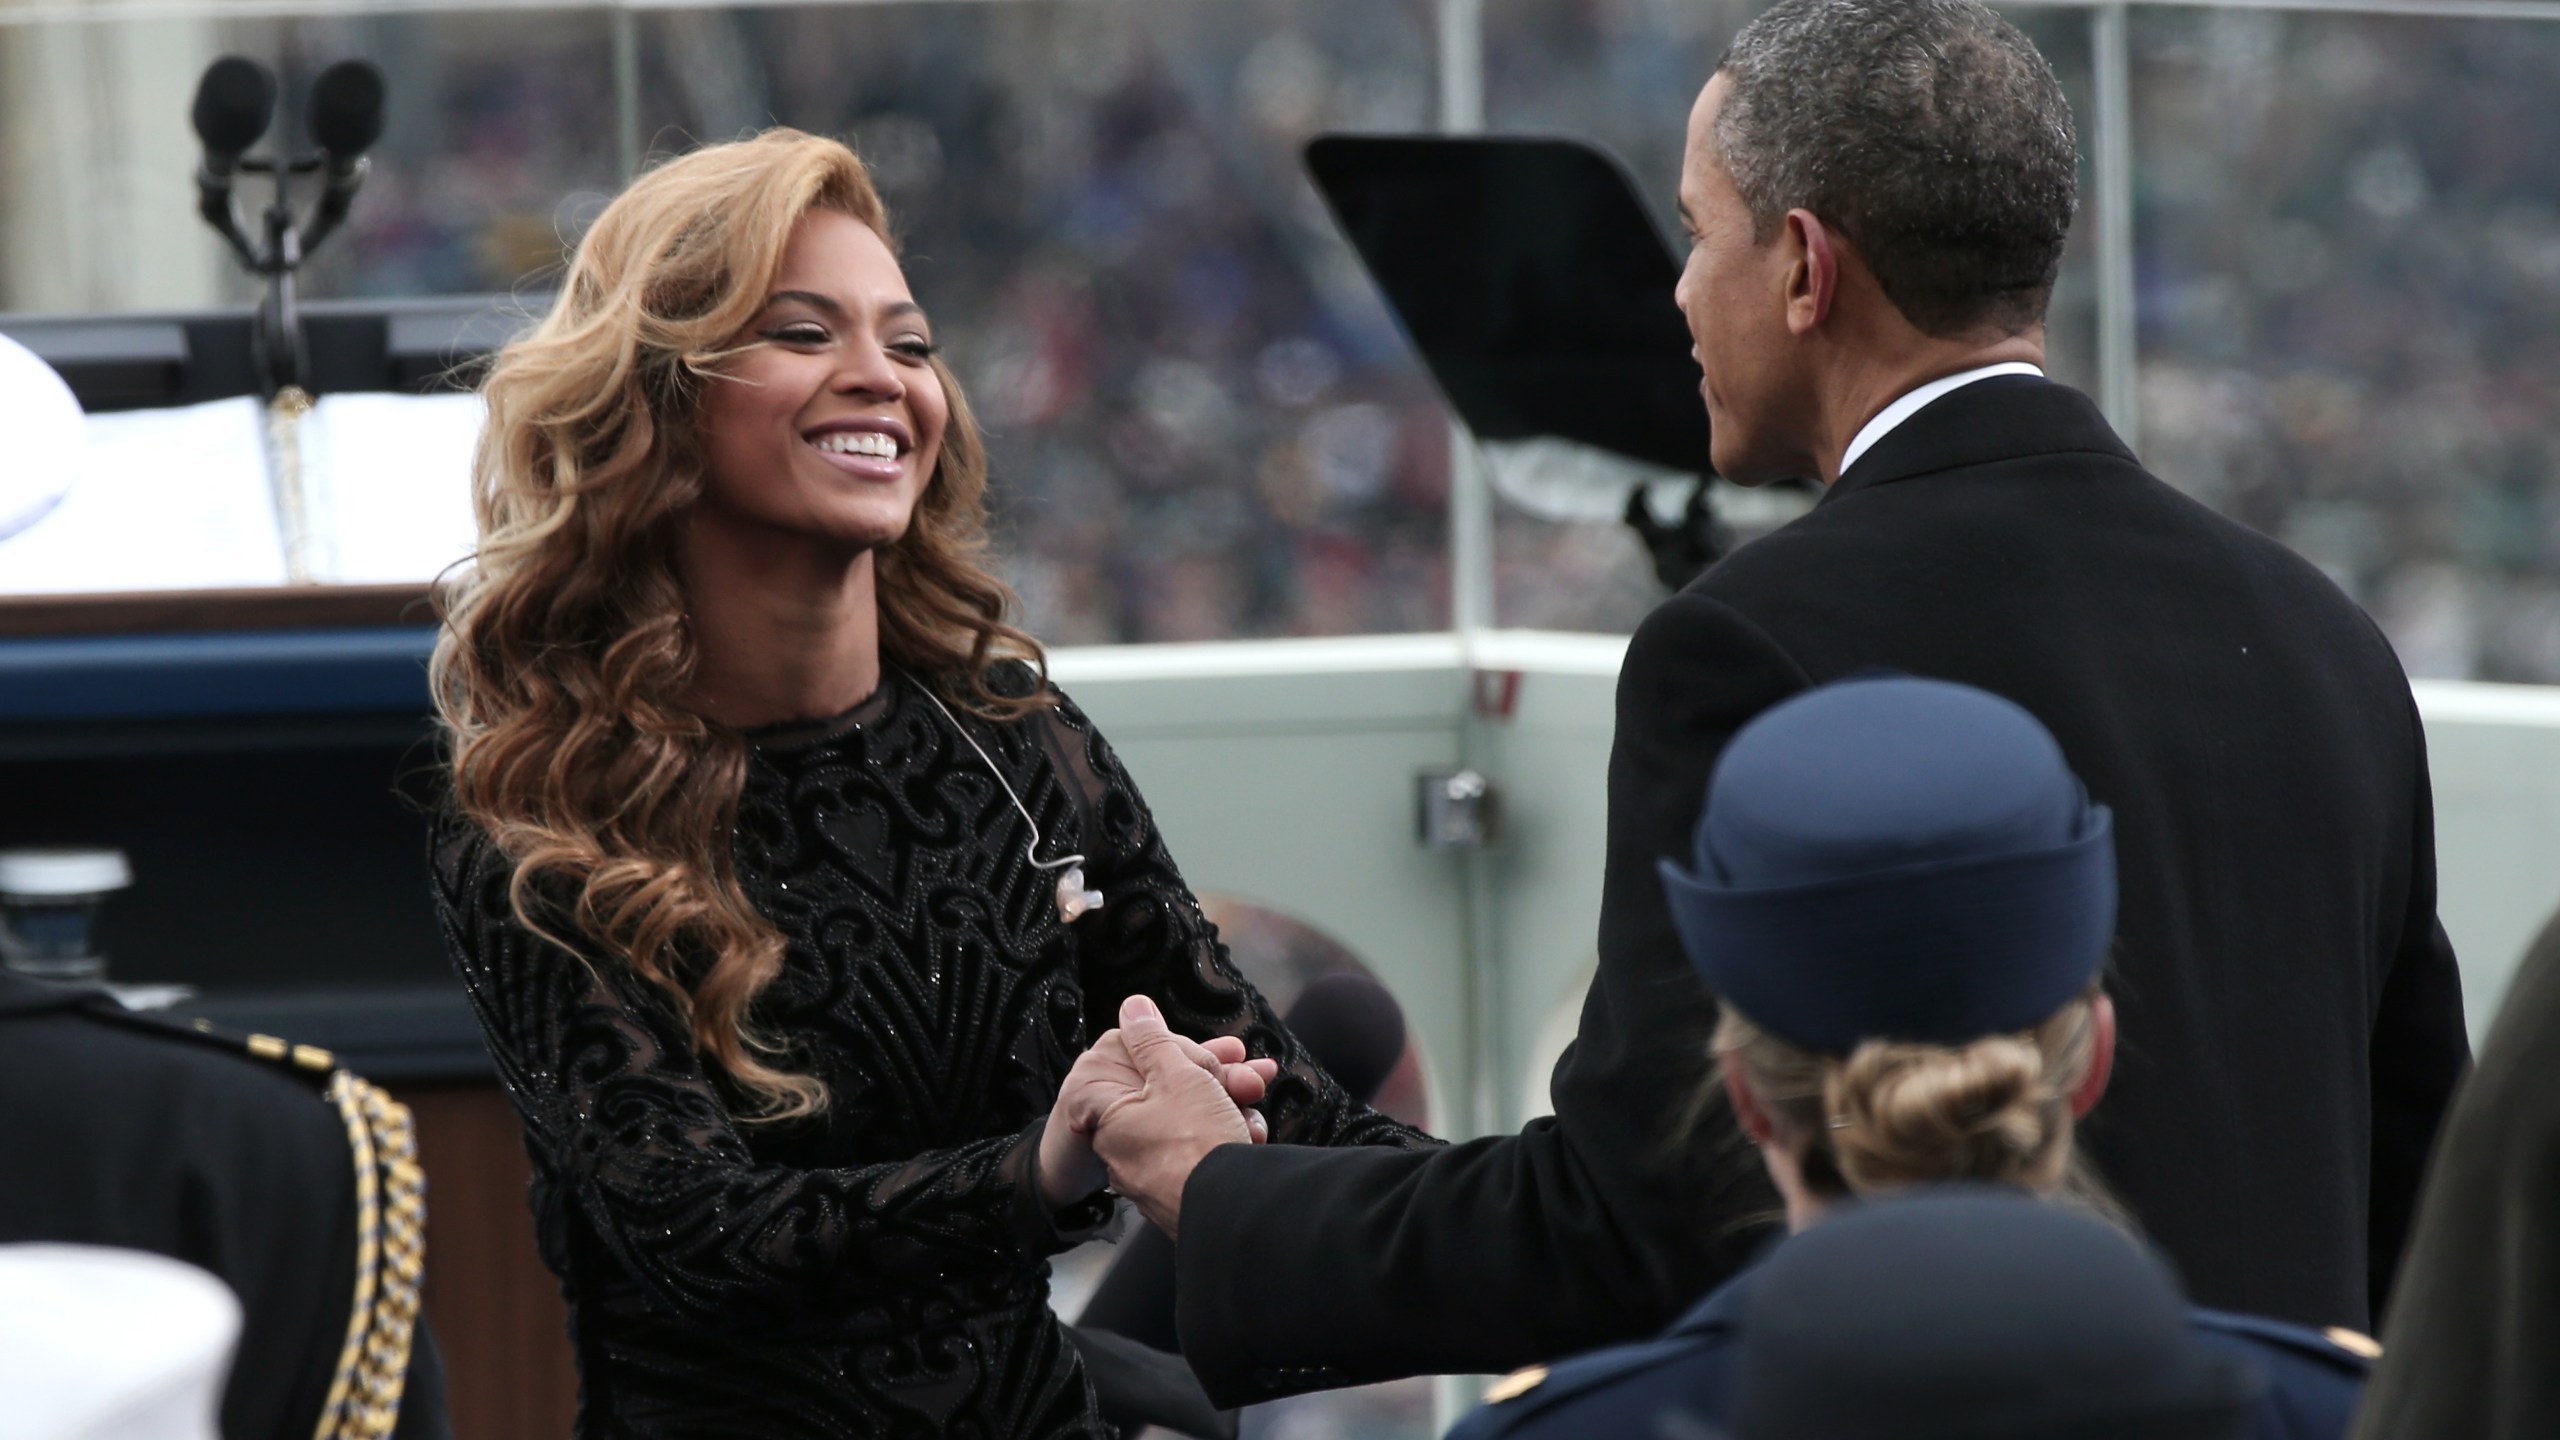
(868, 370)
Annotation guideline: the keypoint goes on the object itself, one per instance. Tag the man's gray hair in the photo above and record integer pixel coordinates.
(1930, 132)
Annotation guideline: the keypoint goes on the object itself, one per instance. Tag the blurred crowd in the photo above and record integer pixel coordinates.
(2351, 278)
(1206, 426)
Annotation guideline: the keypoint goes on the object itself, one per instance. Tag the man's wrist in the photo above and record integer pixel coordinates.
(1165, 1182)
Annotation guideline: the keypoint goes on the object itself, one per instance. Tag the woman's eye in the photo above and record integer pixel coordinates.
(914, 347)
(797, 334)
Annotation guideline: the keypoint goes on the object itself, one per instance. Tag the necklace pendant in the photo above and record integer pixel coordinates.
(1073, 899)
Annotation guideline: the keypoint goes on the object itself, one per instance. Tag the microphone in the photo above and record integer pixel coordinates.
(1353, 1027)
(346, 118)
(235, 101)
(346, 111)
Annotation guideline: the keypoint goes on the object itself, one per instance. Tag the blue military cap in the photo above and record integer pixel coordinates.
(1973, 1312)
(1892, 857)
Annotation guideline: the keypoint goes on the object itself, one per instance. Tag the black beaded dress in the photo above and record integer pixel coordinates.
(880, 1270)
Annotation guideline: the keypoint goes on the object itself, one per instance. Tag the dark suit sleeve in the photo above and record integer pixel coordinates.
(1302, 1269)
(2420, 1049)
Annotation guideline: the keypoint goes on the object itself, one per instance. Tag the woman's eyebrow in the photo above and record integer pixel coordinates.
(895, 310)
(810, 298)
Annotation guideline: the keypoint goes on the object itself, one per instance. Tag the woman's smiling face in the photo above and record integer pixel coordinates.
(827, 422)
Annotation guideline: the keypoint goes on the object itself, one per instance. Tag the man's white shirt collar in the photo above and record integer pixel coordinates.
(1918, 400)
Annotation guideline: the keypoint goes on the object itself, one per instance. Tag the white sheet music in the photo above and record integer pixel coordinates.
(389, 485)
(169, 500)
(181, 499)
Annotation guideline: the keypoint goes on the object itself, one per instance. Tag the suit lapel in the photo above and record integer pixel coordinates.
(2007, 417)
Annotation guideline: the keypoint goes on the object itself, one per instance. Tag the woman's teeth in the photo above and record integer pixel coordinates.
(859, 442)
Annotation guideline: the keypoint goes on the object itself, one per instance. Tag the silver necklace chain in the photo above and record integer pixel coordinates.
(1030, 852)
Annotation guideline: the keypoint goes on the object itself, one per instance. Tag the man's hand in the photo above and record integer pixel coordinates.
(1152, 1135)
(1107, 1075)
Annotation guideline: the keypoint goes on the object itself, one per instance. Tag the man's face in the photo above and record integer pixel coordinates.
(1734, 293)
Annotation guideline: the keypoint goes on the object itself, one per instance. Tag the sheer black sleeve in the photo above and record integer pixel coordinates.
(1150, 938)
(619, 1108)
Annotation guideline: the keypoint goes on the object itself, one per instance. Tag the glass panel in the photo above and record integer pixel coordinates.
(97, 197)
(1203, 422)
(1624, 75)
(2350, 306)
(497, 131)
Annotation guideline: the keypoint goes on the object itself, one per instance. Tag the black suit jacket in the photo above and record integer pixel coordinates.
(2291, 1014)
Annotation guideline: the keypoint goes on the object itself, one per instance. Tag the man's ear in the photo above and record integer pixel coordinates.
(1813, 271)
(1747, 1109)
(2102, 1055)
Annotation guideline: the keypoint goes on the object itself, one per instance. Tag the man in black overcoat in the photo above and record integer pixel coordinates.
(235, 1155)
(1877, 194)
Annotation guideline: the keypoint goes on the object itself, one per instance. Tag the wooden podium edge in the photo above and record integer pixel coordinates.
(165, 612)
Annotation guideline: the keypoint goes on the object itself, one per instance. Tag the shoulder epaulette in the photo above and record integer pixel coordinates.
(308, 1060)
(1523, 1394)
(2337, 1347)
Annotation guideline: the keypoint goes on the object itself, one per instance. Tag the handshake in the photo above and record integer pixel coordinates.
(1142, 1107)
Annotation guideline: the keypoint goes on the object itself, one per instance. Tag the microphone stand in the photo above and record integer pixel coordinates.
(275, 338)
(278, 334)
(1682, 549)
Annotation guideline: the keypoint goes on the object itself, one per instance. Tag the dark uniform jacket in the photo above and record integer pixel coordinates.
(2290, 1008)
(129, 1130)
(2475, 1330)
(2313, 1380)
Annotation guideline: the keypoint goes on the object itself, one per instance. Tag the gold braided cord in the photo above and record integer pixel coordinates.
(345, 1091)
(293, 500)
(391, 1250)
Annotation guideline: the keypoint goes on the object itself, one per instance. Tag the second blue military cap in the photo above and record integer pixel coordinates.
(1893, 857)
(1976, 1313)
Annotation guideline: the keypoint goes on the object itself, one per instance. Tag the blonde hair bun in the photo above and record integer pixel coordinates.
(1904, 1114)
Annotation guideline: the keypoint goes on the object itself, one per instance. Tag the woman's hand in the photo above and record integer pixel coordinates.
(1105, 1076)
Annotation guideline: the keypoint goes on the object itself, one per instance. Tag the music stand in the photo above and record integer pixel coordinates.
(1528, 274)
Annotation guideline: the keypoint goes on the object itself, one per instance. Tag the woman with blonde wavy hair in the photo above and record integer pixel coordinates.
(1903, 900)
(787, 889)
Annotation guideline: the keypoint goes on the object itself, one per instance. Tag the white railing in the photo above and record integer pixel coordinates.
(1283, 773)
(57, 12)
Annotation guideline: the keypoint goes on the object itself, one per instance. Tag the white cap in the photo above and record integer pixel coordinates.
(48, 438)
(102, 1344)
(65, 872)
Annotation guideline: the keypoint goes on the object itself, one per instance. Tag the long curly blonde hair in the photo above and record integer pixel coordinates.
(566, 651)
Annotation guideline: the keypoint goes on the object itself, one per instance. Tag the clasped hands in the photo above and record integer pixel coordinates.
(1142, 1106)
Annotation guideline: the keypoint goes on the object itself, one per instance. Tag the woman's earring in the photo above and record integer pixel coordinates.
(1073, 899)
